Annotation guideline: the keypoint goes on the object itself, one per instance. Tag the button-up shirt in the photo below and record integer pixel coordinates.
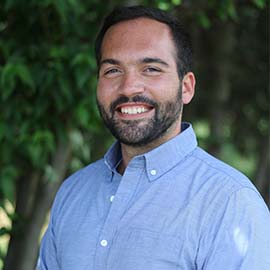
(175, 207)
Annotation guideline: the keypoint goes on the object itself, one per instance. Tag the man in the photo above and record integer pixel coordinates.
(156, 201)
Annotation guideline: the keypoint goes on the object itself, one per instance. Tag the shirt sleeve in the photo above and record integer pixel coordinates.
(48, 254)
(49, 258)
(238, 237)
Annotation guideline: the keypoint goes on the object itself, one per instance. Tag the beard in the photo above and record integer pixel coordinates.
(141, 132)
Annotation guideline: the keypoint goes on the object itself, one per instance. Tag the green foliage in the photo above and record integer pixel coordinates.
(176, 2)
(48, 82)
(47, 89)
(47, 70)
(203, 20)
(3, 231)
(8, 175)
(260, 3)
(48, 75)
(15, 70)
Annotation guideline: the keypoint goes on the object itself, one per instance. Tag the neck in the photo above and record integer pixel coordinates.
(128, 152)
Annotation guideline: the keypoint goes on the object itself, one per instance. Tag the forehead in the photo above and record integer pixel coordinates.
(138, 36)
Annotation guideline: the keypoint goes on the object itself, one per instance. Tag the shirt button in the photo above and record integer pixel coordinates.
(112, 198)
(104, 243)
(153, 172)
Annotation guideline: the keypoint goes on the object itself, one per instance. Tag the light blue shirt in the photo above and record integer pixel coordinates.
(175, 207)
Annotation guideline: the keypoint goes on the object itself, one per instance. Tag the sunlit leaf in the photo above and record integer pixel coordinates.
(177, 2)
(164, 5)
(232, 10)
(50, 173)
(76, 138)
(260, 3)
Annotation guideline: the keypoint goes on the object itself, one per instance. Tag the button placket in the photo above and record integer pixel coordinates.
(124, 193)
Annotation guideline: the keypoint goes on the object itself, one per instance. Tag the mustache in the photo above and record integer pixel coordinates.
(138, 98)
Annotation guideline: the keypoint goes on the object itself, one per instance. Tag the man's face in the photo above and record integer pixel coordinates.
(138, 91)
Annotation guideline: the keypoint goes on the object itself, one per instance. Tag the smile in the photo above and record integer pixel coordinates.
(134, 110)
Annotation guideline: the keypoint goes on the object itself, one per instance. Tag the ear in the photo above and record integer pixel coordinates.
(188, 87)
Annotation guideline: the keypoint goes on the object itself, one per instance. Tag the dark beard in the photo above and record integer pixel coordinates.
(140, 132)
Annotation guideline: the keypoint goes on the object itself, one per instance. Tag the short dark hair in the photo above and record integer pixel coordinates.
(180, 36)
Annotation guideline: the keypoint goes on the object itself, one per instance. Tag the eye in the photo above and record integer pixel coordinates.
(111, 71)
(152, 70)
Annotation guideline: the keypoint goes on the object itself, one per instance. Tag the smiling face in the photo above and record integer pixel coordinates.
(139, 91)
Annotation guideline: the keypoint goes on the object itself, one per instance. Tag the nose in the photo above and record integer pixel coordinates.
(131, 85)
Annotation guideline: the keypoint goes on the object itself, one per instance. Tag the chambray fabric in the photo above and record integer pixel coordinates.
(175, 207)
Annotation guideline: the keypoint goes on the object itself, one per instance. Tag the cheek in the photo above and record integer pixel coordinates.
(103, 93)
(164, 89)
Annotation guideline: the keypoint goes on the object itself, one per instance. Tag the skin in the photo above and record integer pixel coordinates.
(139, 58)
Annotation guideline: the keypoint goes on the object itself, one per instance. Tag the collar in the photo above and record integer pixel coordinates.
(113, 156)
(161, 159)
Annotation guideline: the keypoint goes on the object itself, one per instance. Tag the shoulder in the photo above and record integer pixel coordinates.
(217, 188)
(221, 172)
(81, 182)
(85, 175)
(225, 191)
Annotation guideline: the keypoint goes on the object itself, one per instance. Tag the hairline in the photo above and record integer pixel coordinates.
(176, 49)
(180, 38)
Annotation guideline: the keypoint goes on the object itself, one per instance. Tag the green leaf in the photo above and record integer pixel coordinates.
(84, 59)
(39, 146)
(82, 115)
(7, 80)
(50, 173)
(260, 3)
(222, 13)
(75, 164)
(58, 52)
(232, 10)
(35, 153)
(204, 20)
(9, 73)
(7, 181)
(66, 92)
(44, 138)
(4, 231)
(61, 7)
(177, 2)
(24, 74)
(164, 6)
(76, 138)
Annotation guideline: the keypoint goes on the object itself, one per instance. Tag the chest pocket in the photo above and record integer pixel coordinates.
(137, 249)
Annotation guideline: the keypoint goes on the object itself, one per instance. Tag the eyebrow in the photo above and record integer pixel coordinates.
(149, 60)
(146, 60)
(110, 61)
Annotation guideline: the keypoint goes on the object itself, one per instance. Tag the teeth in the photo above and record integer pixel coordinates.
(133, 110)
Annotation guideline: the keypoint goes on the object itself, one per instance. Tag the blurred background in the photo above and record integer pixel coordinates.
(49, 122)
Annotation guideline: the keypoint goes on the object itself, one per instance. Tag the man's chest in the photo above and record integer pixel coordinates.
(116, 232)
